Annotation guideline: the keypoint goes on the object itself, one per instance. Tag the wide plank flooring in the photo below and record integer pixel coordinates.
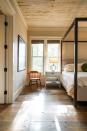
(43, 110)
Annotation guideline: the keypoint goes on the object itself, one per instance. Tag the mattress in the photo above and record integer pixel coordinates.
(67, 79)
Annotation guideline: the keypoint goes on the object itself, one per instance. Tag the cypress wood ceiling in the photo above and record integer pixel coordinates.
(52, 13)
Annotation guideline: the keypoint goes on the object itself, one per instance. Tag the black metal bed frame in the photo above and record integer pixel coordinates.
(75, 25)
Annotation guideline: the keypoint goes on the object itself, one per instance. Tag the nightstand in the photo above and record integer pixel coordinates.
(52, 79)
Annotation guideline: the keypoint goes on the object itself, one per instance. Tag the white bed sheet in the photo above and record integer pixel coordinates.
(67, 79)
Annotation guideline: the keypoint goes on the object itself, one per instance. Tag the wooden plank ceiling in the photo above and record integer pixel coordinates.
(52, 13)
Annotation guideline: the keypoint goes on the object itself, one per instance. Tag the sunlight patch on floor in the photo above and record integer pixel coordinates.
(28, 108)
(57, 125)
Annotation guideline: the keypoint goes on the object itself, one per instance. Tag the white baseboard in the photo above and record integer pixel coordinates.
(17, 93)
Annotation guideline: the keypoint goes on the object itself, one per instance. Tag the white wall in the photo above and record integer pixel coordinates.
(68, 51)
(19, 78)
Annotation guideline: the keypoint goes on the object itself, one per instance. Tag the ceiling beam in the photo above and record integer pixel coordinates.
(6, 7)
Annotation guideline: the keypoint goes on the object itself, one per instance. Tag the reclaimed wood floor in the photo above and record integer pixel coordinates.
(43, 110)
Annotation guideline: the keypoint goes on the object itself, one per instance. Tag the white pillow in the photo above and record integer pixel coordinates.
(79, 67)
(70, 67)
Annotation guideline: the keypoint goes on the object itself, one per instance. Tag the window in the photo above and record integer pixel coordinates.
(46, 60)
(53, 55)
(37, 56)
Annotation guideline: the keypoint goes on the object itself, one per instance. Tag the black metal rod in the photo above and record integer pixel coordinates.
(74, 41)
(75, 61)
(83, 19)
(61, 56)
(69, 29)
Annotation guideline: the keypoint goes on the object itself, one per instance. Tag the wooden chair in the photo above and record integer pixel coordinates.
(34, 78)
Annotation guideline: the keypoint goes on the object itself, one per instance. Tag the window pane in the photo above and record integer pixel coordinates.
(37, 64)
(52, 50)
(54, 57)
(37, 49)
(37, 57)
(34, 51)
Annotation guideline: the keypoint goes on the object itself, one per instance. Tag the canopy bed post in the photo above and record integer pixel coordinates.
(75, 60)
(61, 56)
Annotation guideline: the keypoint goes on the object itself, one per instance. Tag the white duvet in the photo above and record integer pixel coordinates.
(67, 79)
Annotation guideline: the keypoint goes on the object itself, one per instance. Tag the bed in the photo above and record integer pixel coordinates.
(67, 80)
(80, 92)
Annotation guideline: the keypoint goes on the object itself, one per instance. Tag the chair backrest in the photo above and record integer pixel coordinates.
(34, 74)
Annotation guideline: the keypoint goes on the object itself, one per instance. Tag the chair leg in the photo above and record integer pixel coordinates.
(40, 82)
(45, 84)
(37, 83)
(30, 83)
